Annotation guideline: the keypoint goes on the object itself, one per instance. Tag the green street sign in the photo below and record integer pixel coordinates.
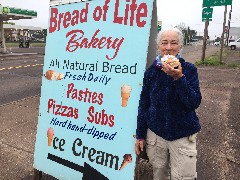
(204, 20)
(5, 10)
(22, 12)
(208, 3)
(207, 13)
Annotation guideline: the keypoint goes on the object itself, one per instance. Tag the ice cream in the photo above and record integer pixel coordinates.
(50, 134)
(125, 94)
(171, 60)
(52, 75)
(127, 158)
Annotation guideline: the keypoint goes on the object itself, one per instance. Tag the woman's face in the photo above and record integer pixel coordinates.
(169, 43)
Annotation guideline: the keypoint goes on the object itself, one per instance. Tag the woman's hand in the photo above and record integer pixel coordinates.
(175, 73)
(139, 146)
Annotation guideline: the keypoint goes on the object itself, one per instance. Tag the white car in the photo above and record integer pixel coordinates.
(217, 43)
(233, 45)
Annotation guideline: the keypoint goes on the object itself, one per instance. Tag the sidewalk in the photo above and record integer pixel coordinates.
(218, 142)
(17, 139)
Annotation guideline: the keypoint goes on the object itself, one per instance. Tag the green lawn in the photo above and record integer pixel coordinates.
(32, 44)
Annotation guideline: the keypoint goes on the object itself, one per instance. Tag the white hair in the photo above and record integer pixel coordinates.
(179, 33)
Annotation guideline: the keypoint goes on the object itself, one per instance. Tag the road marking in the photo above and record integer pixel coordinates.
(17, 67)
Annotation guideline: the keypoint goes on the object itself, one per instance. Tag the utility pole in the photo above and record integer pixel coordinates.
(205, 40)
(222, 40)
(2, 36)
(229, 20)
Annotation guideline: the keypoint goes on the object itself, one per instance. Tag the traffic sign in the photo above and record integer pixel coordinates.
(207, 14)
(209, 3)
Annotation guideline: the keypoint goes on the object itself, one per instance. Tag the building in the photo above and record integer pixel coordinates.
(12, 13)
(234, 33)
(14, 32)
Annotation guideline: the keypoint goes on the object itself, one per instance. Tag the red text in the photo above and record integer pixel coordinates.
(133, 12)
(84, 95)
(100, 117)
(57, 20)
(77, 40)
(61, 110)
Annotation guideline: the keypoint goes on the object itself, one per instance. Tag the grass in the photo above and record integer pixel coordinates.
(32, 44)
(214, 60)
(234, 65)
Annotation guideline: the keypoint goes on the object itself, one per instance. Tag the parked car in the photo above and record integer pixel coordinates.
(233, 45)
(217, 43)
(33, 38)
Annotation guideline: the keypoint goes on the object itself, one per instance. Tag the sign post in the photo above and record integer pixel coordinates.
(95, 58)
(207, 16)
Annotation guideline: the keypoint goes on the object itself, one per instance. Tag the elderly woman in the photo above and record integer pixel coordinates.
(167, 121)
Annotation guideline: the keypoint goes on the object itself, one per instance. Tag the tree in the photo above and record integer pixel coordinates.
(188, 34)
(181, 26)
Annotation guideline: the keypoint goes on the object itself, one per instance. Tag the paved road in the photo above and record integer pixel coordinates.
(20, 76)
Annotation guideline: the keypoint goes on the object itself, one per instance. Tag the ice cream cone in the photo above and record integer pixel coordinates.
(50, 138)
(50, 134)
(125, 94)
(127, 158)
(123, 165)
(125, 97)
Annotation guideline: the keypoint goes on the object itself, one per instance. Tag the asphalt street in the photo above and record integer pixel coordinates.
(20, 76)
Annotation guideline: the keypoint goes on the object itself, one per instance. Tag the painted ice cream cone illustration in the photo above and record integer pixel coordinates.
(127, 158)
(52, 75)
(50, 134)
(125, 94)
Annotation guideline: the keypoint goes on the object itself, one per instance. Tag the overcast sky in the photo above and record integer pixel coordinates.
(170, 12)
